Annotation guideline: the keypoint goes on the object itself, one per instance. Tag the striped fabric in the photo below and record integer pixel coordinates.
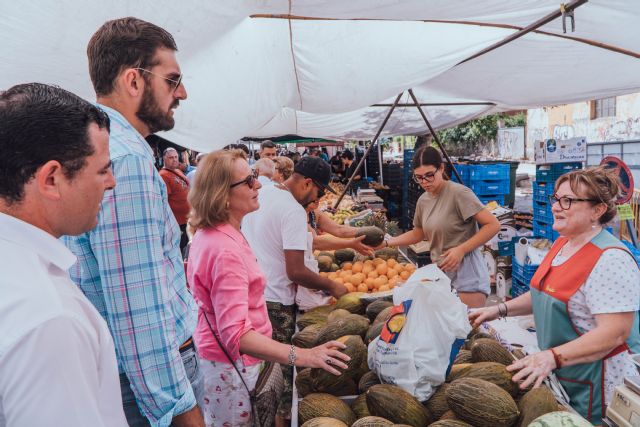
(130, 268)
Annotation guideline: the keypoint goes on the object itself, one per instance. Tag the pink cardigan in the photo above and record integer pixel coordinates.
(228, 286)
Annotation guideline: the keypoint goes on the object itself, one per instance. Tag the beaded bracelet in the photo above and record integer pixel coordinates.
(292, 356)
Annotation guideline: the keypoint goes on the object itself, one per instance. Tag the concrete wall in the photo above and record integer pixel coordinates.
(566, 121)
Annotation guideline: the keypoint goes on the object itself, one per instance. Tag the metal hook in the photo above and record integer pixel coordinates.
(568, 14)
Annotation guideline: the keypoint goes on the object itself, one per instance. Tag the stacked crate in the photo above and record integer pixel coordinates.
(490, 182)
(393, 175)
(546, 176)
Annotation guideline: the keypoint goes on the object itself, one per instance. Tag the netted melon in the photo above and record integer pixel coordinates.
(394, 404)
(324, 405)
(490, 350)
(535, 403)
(376, 307)
(373, 236)
(372, 422)
(481, 403)
(324, 422)
(306, 338)
(437, 403)
(369, 379)
(359, 406)
(351, 302)
(348, 325)
(315, 315)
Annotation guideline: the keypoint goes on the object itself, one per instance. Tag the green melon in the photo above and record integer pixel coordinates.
(481, 403)
(376, 307)
(495, 373)
(324, 263)
(450, 423)
(394, 404)
(490, 350)
(373, 235)
(368, 380)
(315, 315)
(351, 302)
(560, 418)
(458, 371)
(324, 405)
(383, 316)
(535, 403)
(449, 415)
(324, 422)
(306, 338)
(336, 314)
(437, 403)
(352, 324)
(387, 253)
(344, 255)
(304, 384)
(463, 356)
(372, 422)
(359, 406)
(373, 332)
(344, 384)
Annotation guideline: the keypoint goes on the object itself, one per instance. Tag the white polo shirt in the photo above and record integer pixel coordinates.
(57, 359)
(280, 224)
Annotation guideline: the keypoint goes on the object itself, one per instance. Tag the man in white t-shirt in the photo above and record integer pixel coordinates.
(57, 359)
(277, 233)
(266, 169)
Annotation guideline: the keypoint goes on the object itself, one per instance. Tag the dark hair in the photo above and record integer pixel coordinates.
(347, 155)
(426, 156)
(124, 43)
(242, 147)
(39, 123)
(267, 144)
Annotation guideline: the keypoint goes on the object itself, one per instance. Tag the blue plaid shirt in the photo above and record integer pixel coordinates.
(131, 269)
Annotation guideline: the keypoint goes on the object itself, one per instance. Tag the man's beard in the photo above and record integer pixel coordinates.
(151, 114)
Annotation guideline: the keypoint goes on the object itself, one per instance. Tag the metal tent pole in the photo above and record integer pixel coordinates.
(380, 162)
(435, 136)
(366, 153)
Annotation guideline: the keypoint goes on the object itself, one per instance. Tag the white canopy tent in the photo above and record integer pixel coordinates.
(314, 68)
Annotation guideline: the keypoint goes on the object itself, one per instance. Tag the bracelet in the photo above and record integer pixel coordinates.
(501, 313)
(506, 310)
(292, 356)
(556, 358)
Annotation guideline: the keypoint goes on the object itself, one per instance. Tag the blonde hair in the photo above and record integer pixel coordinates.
(284, 165)
(209, 194)
(597, 183)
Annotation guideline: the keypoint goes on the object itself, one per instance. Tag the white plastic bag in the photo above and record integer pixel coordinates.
(414, 352)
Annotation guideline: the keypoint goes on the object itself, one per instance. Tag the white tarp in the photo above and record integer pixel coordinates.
(247, 74)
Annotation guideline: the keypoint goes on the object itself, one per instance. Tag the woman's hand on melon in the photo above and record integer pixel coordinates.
(533, 369)
(318, 357)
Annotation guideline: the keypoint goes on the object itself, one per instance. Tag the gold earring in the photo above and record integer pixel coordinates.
(227, 205)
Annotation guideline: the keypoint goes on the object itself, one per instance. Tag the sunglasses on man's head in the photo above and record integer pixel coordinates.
(249, 180)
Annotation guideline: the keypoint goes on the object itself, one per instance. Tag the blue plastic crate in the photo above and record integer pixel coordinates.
(542, 212)
(493, 198)
(489, 187)
(524, 273)
(463, 170)
(505, 248)
(518, 287)
(549, 173)
(498, 171)
(544, 231)
(542, 191)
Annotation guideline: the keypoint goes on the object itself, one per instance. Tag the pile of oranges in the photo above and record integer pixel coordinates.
(374, 275)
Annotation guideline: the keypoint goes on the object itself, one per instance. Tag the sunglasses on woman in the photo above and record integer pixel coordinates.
(249, 180)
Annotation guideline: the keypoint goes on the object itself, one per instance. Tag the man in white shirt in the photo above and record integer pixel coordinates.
(277, 233)
(57, 359)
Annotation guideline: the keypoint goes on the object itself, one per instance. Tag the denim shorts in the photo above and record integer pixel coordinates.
(472, 275)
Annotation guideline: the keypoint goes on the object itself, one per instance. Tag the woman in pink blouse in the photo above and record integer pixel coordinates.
(228, 286)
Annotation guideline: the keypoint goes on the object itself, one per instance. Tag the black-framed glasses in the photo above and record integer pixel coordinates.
(173, 83)
(427, 177)
(565, 201)
(249, 180)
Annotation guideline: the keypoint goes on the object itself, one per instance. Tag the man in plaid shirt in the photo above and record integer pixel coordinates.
(130, 265)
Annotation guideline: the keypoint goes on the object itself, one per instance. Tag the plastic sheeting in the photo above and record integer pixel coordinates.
(251, 75)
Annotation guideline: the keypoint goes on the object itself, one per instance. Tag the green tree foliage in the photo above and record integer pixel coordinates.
(465, 139)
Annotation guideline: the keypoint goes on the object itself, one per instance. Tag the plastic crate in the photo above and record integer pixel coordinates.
(500, 199)
(549, 173)
(498, 171)
(523, 273)
(463, 170)
(482, 188)
(505, 248)
(518, 287)
(544, 231)
(542, 212)
(542, 191)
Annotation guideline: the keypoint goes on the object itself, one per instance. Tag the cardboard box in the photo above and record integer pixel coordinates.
(561, 150)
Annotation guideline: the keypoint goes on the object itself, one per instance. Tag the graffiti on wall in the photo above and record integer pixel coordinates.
(621, 130)
(510, 143)
(561, 132)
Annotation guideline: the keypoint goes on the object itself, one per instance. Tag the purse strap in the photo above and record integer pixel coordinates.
(224, 350)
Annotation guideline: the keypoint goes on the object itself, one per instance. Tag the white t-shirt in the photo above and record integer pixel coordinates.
(57, 359)
(306, 298)
(280, 224)
(265, 181)
(612, 287)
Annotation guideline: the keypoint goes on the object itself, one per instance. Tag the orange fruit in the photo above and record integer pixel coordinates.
(382, 268)
(378, 261)
(369, 282)
(350, 287)
(384, 288)
(367, 268)
(378, 282)
(332, 275)
(355, 280)
(339, 280)
(357, 267)
(391, 262)
(392, 273)
(362, 287)
(373, 274)
(344, 274)
(347, 266)
(384, 279)
(399, 268)
(405, 275)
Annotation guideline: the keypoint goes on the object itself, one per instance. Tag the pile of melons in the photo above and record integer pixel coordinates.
(376, 275)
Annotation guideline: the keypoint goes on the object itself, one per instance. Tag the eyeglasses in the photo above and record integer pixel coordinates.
(565, 202)
(249, 180)
(427, 177)
(174, 84)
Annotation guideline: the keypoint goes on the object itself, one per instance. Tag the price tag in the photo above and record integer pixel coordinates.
(625, 212)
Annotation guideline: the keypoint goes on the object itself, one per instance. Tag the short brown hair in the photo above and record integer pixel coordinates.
(120, 44)
(284, 165)
(597, 183)
(209, 192)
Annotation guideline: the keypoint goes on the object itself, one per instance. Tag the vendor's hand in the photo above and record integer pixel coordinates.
(484, 314)
(450, 259)
(357, 244)
(533, 368)
(338, 290)
(326, 356)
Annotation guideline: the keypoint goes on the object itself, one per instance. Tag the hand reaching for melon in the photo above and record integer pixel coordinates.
(326, 356)
(533, 369)
(484, 314)
(360, 247)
